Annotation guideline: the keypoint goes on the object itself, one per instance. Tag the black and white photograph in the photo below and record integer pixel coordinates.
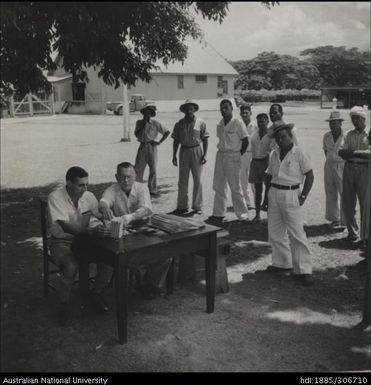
(185, 188)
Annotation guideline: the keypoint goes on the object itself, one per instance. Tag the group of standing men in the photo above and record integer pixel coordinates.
(248, 154)
(259, 155)
(347, 173)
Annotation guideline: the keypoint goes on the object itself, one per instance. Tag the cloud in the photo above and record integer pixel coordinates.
(289, 28)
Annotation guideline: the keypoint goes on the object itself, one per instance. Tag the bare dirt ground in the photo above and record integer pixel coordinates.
(264, 324)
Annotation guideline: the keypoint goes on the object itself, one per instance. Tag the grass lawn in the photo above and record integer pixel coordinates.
(265, 323)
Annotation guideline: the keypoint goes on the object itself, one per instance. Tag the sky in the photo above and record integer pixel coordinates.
(249, 28)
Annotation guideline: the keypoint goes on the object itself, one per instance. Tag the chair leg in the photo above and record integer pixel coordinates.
(46, 277)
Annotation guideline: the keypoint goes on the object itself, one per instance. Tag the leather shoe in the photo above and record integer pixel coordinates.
(275, 269)
(305, 279)
(99, 304)
(179, 211)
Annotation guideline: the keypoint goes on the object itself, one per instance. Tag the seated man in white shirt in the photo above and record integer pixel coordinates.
(131, 201)
(70, 209)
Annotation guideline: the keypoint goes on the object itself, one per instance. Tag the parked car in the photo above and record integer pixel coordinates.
(137, 101)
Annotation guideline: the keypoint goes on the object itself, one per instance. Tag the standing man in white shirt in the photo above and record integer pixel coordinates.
(233, 142)
(146, 130)
(70, 209)
(333, 171)
(288, 167)
(355, 151)
(131, 201)
(245, 113)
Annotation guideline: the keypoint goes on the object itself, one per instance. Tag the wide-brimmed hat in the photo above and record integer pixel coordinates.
(358, 111)
(335, 115)
(280, 125)
(188, 101)
(149, 106)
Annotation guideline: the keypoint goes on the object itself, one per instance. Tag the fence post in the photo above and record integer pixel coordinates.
(51, 98)
(30, 103)
(12, 106)
(103, 97)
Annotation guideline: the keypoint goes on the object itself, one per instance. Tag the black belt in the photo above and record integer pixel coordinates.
(259, 159)
(197, 145)
(355, 162)
(283, 187)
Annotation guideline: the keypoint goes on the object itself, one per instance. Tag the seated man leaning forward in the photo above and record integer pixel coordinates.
(70, 209)
(131, 201)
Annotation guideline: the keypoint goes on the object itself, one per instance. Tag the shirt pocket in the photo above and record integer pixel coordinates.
(196, 134)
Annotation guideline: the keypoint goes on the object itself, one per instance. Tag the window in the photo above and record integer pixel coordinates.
(225, 86)
(180, 81)
(201, 78)
(220, 81)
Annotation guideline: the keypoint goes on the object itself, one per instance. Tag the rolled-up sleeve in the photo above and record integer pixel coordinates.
(108, 197)
(204, 133)
(175, 134)
(241, 130)
(305, 163)
(56, 210)
(145, 205)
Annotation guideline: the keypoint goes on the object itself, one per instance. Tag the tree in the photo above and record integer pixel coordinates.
(123, 39)
(270, 70)
(339, 66)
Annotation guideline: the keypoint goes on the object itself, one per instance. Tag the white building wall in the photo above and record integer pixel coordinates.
(165, 87)
(162, 87)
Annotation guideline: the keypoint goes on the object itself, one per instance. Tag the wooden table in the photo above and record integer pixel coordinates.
(135, 250)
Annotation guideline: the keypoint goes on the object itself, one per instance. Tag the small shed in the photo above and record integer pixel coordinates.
(347, 97)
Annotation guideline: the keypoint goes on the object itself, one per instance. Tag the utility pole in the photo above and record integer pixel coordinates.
(125, 114)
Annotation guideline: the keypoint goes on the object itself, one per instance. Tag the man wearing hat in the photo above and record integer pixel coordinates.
(333, 171)
(276, 116)
(189, 133)
(288, 167)
(355, 152)
(146, 130)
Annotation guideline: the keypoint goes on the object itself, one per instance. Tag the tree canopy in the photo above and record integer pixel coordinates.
(122, 39)
(270, 70)
(332, 66)
(339, 66)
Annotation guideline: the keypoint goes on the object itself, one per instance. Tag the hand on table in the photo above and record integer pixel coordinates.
(107, 213)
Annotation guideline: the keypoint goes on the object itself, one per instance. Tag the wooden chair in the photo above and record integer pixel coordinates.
(51, 268)
(48, 270)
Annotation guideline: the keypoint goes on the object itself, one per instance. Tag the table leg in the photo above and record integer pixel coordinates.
(170, 279)
(121, 286)
(210, 271)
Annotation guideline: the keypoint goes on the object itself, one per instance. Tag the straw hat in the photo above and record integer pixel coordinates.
(280, 126)
(149, 106)
(335, 115)
(188, 101)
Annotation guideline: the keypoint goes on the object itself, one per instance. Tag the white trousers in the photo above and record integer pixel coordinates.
(285, 218)
(245, 169)
(228, 171)
(333, 173)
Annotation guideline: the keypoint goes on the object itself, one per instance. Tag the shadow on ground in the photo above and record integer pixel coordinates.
(265, 323)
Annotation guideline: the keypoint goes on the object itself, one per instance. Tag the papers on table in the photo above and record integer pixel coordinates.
(173, 224)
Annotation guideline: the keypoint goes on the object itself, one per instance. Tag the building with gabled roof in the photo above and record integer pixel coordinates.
(205, 76)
